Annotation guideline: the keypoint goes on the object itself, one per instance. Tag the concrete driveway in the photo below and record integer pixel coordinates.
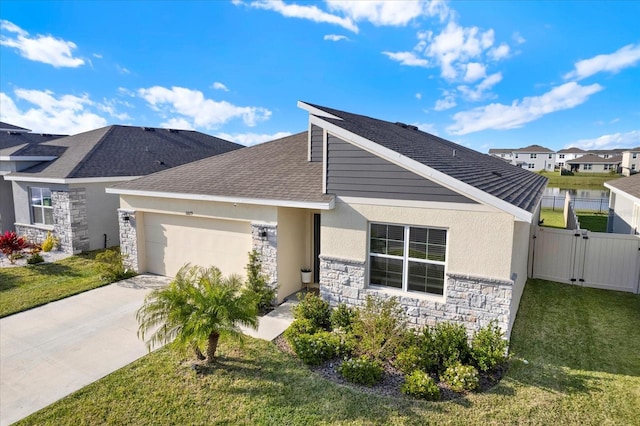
(51, 351)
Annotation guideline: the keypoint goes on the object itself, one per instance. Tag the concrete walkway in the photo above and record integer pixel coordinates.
(49, 352)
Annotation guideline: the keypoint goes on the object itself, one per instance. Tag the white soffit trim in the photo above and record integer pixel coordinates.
(329, 205)
(26, 158)
(418, 204)
(315, 111)
(622, 193)
(20, 178)
(425, 171)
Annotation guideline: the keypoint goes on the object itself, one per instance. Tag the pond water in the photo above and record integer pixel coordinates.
(576, 193)
(583, 199)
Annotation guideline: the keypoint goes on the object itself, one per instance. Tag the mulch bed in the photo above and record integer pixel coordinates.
(393, 378)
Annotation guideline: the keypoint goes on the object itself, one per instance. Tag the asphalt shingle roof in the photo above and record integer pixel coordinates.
(23, 144)
(124, 151)
(490, 174)
(12, 127)
(276, 170)
(630, 184)
(501, 151)
(572, 150)
(591, 158)
(534, 149)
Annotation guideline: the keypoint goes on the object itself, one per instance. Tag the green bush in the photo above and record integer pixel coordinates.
(314, 349)
(488, 347)
(111, 266)
(450, 344)
(461, 377)
(313, 308)
(257, 283)
(408, 360)
(420, 385)
(362, 370)
(343, 317)
(298, 327)
(35, 258)
(50, 242)
(380, 328)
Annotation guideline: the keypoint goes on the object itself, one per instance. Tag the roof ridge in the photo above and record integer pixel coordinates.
(90, 152)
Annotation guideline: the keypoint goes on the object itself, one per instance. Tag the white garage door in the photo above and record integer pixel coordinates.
(171, 241)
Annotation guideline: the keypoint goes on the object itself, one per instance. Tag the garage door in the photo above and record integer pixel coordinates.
(171, 241)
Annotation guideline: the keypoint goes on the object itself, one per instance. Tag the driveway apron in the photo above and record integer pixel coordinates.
(49, 352)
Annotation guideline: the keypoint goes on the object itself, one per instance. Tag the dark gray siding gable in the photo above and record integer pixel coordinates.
(353, 172)
(316, 143)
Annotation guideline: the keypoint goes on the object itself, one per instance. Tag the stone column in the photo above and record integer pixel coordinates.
(70, 219)
(128, 238)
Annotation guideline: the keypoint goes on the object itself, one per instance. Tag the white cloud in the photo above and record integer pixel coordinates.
(499, 52)
(312, 13)
(220, 86)
(46, 49)
(380, 12)
(122, 70)
(201, 112)
(624, 57)
(480, 90)
(445, 103)
(126, 92)
(407, 58)
(616, 140)
(418, 96)
(427, 127)
(177, 123)
(475, 71)
(110, 107)
(97, 55)
(65, 114)
(249, 139)
(500, 116)
(335, 37)
(517, 37)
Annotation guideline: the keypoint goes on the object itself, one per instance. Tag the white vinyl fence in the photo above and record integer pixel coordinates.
(590, 259)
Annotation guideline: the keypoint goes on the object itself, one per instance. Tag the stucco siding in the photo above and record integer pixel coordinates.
(21, 199)
(293, 242)
(519, 263)
(479, 243)
(622, 215)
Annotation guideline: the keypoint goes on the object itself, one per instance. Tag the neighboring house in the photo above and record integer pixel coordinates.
(373, 207)
(63, 190)
(535, 158)
(630, 161)
(568, 154)
(606, 153)
(591, 163)
(15, 156)
(624, 205)
(504, 153)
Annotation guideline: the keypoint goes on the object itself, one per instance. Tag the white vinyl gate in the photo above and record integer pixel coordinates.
(590, 259)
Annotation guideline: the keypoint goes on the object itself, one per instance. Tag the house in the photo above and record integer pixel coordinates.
(591, 163)
(567, 154)
(535, 158)
(624, 205)
(62, 186)
(606, 153)
(504, 153)
(630, 161)
(16, 154)
(373, 207)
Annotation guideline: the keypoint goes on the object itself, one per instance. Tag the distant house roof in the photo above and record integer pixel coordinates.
(593, 159)
(116, 151)
(637, 149)
(534, 149)
(512, 184)
(501, 151)
(26, 144)
(606, 151)
(571, 150)
(275, 171)
(12, 128)
(629, 185)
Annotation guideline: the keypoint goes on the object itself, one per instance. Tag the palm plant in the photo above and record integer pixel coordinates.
(198, 306)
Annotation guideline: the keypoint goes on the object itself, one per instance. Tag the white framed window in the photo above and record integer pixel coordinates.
(408, 258)
(561, 164)
(634, 155)
(550, 155)
(41, 208)
(531, 166)
(502, 155)
(534, 155)
(561, 155)
(633, 167)
(588, 166)
(516, 155)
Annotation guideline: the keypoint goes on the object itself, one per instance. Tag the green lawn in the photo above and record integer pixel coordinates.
(575, 361)
(26, 287)
(593, 221)
(578, 180)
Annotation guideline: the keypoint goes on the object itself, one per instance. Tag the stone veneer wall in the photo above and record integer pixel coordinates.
(128, 239)
(70, 219)
(471, 301)
(267, 248)
(33, 233)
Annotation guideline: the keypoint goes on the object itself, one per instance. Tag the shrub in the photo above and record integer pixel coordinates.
(461, 377)
(298, 327)
(12, 246)
(408, 360)
(380, 328)
(314, 349)
(313, 308)
(450, 344)
(488, 347)
(50, 242)
(35, 258)
(420, 385)
(111, 266)
(257, 283)
(362, 370)
(343, 317)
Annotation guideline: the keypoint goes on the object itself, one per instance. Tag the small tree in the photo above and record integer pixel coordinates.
(11, 245)
(257, 283)
(198, 306)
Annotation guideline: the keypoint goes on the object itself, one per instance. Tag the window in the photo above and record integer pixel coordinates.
(634, 155)
(534, 155)
(606, 156)
(607, 167)
(633, 167)
(516, 155)
(502, 155)
(587, 166)
(408, 258)
(550, 155)
(561, 155)
(41, 209)
(561, 164)
(531, 166)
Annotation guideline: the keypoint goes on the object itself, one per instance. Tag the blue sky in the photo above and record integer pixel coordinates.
(483, 74)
